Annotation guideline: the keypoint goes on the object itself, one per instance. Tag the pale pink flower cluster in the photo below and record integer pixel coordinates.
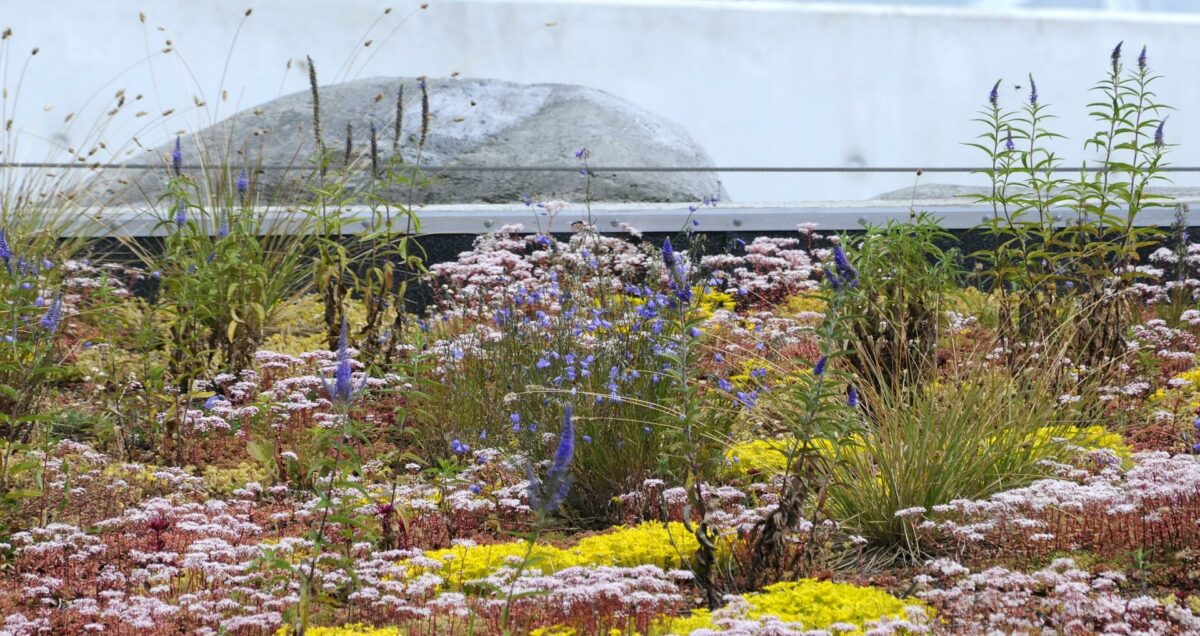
(770, 269)
(1155, 505)
(1058, 599)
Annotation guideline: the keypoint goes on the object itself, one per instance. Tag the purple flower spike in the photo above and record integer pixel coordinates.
(994, 96)
(819, 367)
(1116, 57)
(177, 157)
(1008, 144)
(53, 317)
(846, 273)
(1142, 59)
(548, 495)
(1033, 94)
(5, 250)
(566, 445)
(668, 253)
(243, 184)
(852, 400)
(1158, 134)
(343, 390)
(833, 279)
(181, 217)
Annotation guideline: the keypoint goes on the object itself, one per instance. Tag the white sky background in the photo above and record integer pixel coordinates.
(755, 82)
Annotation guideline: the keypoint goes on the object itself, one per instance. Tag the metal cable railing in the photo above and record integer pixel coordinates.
(577, 168)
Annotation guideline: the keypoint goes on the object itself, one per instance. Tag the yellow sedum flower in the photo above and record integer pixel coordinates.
(467, 563)
(712, 300)
(803, 303)
(757, 456)
(811, 604)
(764, 457)
(649, 543)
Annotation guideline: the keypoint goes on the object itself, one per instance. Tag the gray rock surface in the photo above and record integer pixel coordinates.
(475, 122)
(931, 191)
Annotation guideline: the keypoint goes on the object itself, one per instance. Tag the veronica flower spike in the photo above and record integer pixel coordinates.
(243, 185)
(559, 477)
(177, 157)
(845, 270)
(668, 254)
(547, 496)
(342, 391)
(53, 316)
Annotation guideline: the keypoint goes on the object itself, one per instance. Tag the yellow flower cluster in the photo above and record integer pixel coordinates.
(296, 326)
(803, 303)
(810, 603)
(1089, 438)
(712, 300)
(650, 543)
(1186, 396)
(764, 457)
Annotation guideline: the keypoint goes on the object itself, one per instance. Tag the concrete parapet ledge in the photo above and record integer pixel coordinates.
(953, 214)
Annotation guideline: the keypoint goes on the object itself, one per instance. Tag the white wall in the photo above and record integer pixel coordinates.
(756, 82)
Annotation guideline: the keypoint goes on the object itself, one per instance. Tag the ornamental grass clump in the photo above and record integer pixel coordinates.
(967, 436)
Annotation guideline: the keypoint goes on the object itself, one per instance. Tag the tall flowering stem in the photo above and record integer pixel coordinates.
(32, 313)
(339, 458)
(680, 346)
(815, 419)
(545, 497)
